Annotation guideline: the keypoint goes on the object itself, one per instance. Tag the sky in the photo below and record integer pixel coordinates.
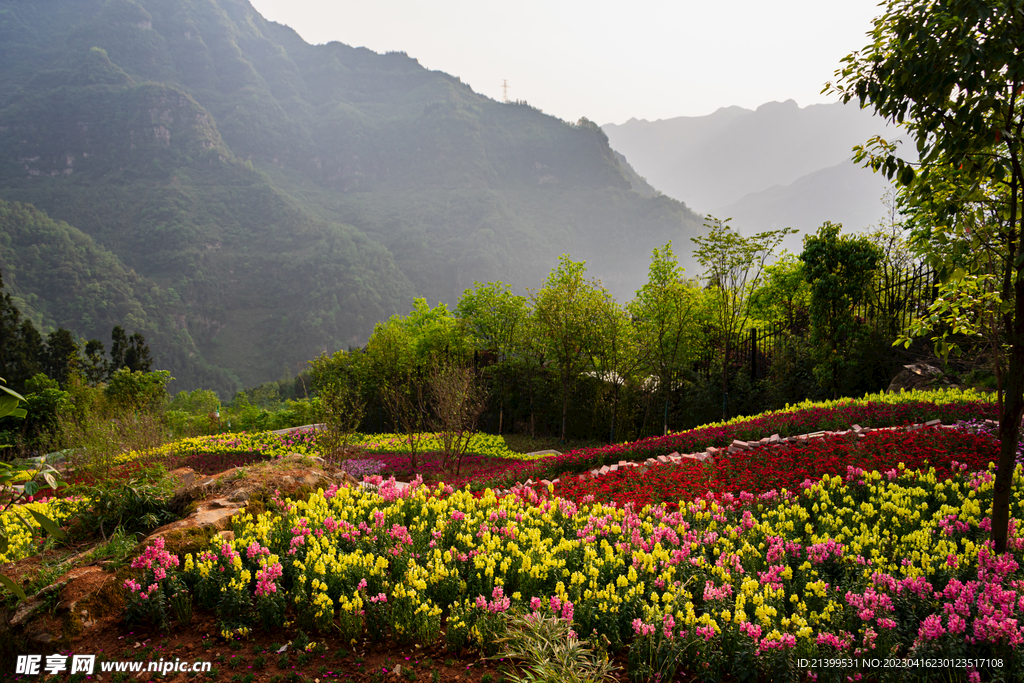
(606, 61)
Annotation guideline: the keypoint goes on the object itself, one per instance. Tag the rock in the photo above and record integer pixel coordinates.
(932, 423)
(919, 376)
(543, 453)
(300, 458)
(240, 496)
(216, 513)
(310, 479)
(41, 637)
(228, 535)
(742, 445)
(185, 478)
(25, 609)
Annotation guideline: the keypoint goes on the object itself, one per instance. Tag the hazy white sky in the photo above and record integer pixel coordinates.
(608, 61)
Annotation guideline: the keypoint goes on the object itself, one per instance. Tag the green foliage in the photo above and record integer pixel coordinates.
(733, 265)
(9, 401)
(784, 297)
(951, 74)
(664, 313)
(136, 505)
(840, 271)
(135, 390)
(31, 477)
(570, 312)
(550, 652)
(337, 380)
(195, 402)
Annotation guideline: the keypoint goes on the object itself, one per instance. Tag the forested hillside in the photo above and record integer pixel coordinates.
(269, 199)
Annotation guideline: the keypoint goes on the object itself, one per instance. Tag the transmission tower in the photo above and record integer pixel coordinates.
(504, 90)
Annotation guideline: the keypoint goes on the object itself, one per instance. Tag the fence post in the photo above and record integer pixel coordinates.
(753, 354)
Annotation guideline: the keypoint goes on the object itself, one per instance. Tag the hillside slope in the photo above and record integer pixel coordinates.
(290, 195)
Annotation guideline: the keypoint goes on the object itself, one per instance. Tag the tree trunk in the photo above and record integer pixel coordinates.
(1013, 402)
(565, 405)
(1009, 429)
(725, 381)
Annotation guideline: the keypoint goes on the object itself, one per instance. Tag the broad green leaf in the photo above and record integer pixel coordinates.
(13, 587)
(48, 524)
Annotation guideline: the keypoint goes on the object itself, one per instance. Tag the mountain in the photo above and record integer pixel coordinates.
(845, 193)
(275, 199)
(779, 165)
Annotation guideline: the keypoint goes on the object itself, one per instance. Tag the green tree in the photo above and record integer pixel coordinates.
(616, 354)
(118, 348)
(137, 356)
(495, 320)
(733, 265)
(337, 380)
(784, 296)
(663, 315)
(62, 356)
(21, 345)
(952, 73)
(568, 312)
(840, 271)
(95, 365)
(133, 390)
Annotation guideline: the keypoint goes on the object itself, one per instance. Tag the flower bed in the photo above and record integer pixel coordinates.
(487, 445)
(878, 565)
(429, 467)
(22, 540)
(786, 467)
(266, 444)
(874, 410)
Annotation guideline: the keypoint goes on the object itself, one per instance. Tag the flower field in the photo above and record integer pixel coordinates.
(772, 563)
(870, 565)
(484, 445)
(873, 410)
(786, 467)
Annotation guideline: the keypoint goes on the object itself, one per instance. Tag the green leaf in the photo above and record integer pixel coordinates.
(28, 525)
(51, 527)
(13, 587)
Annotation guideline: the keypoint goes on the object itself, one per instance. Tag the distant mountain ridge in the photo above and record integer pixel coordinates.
(758, 166)
(285, 197)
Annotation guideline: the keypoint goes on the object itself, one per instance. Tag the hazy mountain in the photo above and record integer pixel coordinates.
(845, 193)
(274, 198)
(714, 162)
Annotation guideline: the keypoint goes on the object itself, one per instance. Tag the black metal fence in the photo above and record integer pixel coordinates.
(889, 311)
